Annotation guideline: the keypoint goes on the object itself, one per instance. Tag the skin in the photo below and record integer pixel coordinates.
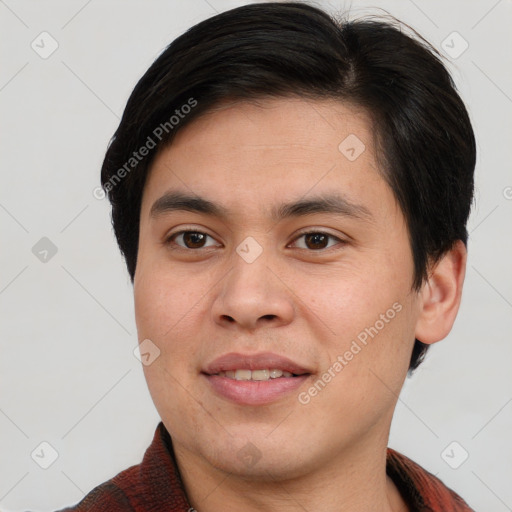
(297, 300)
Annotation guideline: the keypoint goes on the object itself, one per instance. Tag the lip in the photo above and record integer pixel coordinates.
(254, 392)
(237, 361)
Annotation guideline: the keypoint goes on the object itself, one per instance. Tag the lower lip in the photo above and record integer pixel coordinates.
(250, 392)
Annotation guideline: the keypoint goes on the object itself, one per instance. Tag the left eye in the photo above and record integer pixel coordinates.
(316, 240)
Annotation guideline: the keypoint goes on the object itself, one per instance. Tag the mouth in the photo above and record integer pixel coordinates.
(257, 375)
(256, 379)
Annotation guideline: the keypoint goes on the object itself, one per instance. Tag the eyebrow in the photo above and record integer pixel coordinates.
(331, 203)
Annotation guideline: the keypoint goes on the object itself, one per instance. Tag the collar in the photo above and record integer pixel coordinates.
(157, 482)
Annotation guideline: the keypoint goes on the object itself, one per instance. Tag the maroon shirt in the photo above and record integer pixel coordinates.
(155, 485)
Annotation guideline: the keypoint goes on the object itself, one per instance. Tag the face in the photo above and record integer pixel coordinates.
(271, 249)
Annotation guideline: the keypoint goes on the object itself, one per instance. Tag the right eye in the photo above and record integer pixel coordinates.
(189, 239)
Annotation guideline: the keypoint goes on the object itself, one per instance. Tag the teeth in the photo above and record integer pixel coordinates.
(262, 374)
(243, 375)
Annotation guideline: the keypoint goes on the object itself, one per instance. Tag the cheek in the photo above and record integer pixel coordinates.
(347, 301)
(370, 314)
(163, 301)
(171, 309)
(365, 362)
(166, 312)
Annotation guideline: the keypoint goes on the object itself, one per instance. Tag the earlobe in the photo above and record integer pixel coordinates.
(440, 295)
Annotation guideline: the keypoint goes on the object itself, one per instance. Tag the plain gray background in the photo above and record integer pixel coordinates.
(68, 375)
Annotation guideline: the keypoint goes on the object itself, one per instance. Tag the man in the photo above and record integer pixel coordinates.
(291, 196)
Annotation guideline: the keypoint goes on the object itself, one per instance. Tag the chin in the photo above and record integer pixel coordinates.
(265, 466)
(254, 457)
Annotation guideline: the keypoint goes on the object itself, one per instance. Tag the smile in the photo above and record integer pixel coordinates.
(258, 375)
(254, 379)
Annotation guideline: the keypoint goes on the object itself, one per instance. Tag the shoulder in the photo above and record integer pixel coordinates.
(110, 495)
(421, 489)
(154, 484)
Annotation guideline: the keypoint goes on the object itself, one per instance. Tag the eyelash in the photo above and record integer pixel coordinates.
(170, 240)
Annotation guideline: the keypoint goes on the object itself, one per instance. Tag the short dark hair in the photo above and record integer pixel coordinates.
(423, 135)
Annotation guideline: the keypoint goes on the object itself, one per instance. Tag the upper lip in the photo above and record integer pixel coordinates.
(263, 360)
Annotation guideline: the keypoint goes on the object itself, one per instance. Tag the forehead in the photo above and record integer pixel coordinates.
(248, 153)
(278, 124)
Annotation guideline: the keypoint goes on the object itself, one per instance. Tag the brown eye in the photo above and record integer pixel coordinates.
(194, 240)
(317, 241)
(191, 239)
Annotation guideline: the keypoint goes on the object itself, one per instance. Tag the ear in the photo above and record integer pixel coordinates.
(441, 294)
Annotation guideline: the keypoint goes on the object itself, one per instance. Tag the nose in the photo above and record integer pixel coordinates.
(252, 295)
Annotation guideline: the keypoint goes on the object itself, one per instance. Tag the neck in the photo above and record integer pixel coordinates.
(354, 481)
